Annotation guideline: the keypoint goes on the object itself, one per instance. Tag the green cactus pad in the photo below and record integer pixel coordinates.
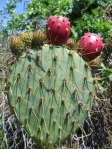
(50, 91)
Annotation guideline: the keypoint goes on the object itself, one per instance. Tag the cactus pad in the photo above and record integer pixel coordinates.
(50, 91)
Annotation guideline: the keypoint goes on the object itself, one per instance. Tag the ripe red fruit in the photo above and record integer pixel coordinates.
(58, 29)
(90, 46)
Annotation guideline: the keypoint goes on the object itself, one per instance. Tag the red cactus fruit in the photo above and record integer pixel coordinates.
(90, 46)
(58, 29)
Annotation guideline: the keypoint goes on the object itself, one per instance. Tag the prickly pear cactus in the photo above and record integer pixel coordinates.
(50, 91)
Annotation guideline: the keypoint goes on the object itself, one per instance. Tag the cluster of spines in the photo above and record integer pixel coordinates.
(16, 45)
(39, 37)
(26, 37)
(26, 40)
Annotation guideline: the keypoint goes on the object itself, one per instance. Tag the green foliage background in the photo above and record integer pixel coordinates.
(85, 15)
